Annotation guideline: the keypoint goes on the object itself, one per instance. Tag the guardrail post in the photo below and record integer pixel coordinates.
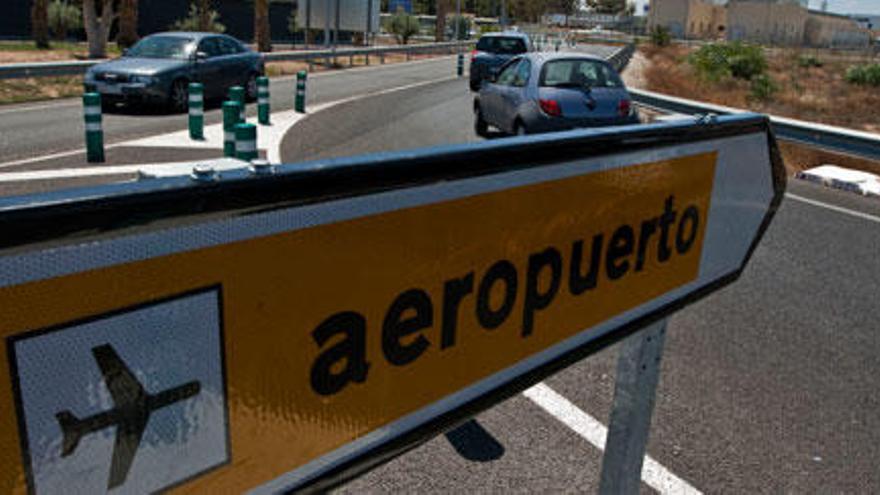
(246, 141)
(367, 59)
(94, 131)
(638, 371)
(236, 93)
(460, 65)
(263, 109)
(381, 58)
(300, 100)
(196, 111)
(231, 116)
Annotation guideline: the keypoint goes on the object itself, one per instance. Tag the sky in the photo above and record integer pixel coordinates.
(839, 6)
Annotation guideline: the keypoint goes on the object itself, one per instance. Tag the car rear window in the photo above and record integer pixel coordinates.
(500, 44)
(579, 73)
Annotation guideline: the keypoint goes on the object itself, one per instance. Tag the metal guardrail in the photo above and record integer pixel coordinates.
(832, 138)
(78, 67)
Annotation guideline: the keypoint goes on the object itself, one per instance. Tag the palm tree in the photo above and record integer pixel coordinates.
(204, 15)
(262, 33)
(98, 26)
(40, 23)
(128, 23)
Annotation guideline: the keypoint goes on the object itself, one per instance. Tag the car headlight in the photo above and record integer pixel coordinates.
(146, 80)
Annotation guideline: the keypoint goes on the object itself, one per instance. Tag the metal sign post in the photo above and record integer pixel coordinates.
(638, 372)
(306, 317)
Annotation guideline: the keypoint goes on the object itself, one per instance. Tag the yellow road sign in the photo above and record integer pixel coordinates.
(345, 324)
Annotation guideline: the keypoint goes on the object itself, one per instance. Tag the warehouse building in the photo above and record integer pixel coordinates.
(775, 22)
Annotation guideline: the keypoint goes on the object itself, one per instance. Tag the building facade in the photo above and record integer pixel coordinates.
(774, 22)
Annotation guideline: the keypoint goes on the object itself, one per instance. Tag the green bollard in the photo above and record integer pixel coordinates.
(246, 141)
(300, 103)
(236, 93)
(263, 109)
(231, 116)
(460, 70)
(196, 111)
(94, 131)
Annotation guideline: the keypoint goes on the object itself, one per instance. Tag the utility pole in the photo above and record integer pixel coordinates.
(308, 36)
(336, 27)
(457, 18)
(369, 22)
(503, 14)
(326, 22)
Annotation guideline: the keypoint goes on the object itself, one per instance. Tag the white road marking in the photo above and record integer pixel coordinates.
(589, 428)
(839, 209)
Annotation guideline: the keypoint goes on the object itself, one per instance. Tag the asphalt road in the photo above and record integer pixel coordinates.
(768, 386)
(32, 130)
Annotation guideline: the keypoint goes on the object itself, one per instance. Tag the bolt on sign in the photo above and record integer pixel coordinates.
(289, 331)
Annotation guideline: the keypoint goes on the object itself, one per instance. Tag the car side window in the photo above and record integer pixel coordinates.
(211, 47)
(229, 47)
(508, 74)
(522, 73)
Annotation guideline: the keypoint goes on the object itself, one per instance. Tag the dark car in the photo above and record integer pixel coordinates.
(541, 92)
(158, 69)
(494, 50)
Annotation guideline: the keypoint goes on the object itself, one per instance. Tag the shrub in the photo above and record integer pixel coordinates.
(865, 74)
(717, 60)
(191, 21)
(660, 36)
(404, 26)
(63, 17)
(762, 87)
(807, 61)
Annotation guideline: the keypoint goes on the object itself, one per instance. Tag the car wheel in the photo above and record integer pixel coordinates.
(481, 127)
(178, 99)
(251, 88)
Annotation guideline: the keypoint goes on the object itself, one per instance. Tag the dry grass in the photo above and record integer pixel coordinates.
(817, 94)
(44, 88)
(287, 68)
(20, 52)
(798, 157)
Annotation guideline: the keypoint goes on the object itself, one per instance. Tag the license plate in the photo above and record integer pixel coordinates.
(108, 89)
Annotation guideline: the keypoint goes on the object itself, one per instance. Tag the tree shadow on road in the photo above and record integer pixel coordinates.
(474, 443)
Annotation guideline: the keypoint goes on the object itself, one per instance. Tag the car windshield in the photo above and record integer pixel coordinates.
(162, 47)
(579, 73)
(500, 44)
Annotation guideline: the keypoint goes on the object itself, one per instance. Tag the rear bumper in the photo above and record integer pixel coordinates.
(542, 123)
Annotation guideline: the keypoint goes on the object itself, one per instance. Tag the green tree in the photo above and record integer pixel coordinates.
(404, 26)
(193, 21)
(607, 6)
(63, 17)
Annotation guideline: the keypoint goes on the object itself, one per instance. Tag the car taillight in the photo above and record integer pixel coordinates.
(474, 55)
(550, 107)
(624, 107)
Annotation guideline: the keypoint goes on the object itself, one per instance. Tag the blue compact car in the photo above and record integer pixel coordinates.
(544, 92)
(493, 50)
(158, 69)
